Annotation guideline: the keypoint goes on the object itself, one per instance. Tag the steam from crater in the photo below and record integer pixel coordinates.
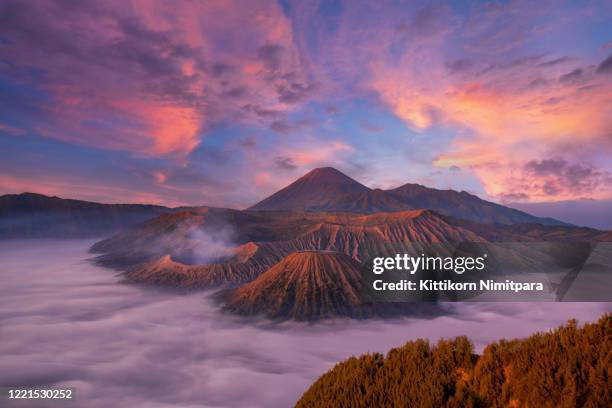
(211, 245)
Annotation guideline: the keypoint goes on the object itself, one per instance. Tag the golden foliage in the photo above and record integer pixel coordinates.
(567, 367)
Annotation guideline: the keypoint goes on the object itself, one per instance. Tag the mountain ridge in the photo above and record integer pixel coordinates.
(325, 189)
(33, 215)
(316, 192)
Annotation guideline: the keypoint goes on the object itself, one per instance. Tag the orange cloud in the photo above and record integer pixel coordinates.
(503, 121)
(174, 129)
(151, 77)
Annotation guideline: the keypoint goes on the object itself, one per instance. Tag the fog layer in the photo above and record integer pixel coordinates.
(67, 323)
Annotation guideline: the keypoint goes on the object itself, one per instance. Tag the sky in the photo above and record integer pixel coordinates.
(223, 102)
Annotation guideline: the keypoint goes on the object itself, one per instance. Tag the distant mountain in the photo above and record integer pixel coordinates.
(30, 215)
(313, 190)
(464, 205)
(327, 189)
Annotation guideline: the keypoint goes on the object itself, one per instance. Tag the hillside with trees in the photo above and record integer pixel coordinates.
(568, 367)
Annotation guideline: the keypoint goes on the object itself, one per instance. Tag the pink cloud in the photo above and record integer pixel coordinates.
(150, 77)
(316, 154)
(504, 78)
(504, 113)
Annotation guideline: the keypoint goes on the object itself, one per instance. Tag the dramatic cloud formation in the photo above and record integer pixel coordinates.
(507, 109)
(124, 345)
(220, 103)
(148, 77)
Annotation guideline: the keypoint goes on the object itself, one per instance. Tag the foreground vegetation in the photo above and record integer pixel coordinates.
(568, 367)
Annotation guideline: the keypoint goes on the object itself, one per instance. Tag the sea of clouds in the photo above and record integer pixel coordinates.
(67, 323)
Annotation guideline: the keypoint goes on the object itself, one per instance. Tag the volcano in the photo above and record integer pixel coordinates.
(329, 190)
(305, 285)
(313, 190)
(312, 285)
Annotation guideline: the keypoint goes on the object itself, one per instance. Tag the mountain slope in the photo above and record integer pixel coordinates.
(311, 190)
(313, 285)
(382, 234)
(304, 286)
(463, 205)
(231, 271)
(365, 202)
(31, 215)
